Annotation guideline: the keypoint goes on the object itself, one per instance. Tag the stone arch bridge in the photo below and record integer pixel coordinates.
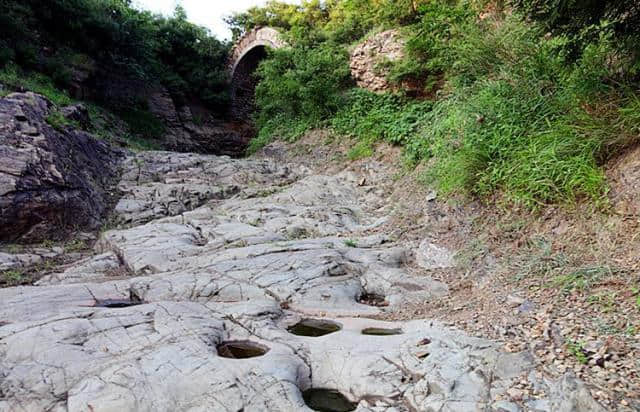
(247, 53)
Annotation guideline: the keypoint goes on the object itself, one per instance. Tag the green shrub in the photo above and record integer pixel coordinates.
(579, 18)
(11, 277)
(301, 87)
(518, 111)
(371, 117)
(57, 120)
(428, 53)
(143, 123)
(45, 36)
(350, 20)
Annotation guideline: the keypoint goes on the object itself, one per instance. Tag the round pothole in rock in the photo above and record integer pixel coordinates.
(327, 400)
(116, 303)
(241, 349)
(314, 327)
(373, 299)
(381, 331)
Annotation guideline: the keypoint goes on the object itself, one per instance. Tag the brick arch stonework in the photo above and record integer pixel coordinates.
(245, 58)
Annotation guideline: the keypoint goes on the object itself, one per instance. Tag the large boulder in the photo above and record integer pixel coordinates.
(624, 179)
(52, 180)
(369, 60)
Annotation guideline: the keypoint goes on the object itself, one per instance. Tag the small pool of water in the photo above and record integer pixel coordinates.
(116, 303)
(314, 327)
(241, 349)
(381, 331)
(327, 400)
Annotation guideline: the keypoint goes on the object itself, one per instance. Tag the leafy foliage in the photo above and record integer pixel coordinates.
(14, 78)
(45, 36)
(341, 20)
(584, 21)
(521, 124)
(300, 87)
(512, 110)
(574, 16)
(372, 117)
(428, 50)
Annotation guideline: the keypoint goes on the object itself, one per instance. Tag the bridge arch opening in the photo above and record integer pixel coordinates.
(244, 82)
(247, 54)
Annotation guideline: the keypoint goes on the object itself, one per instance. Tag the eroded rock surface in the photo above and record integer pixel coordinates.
(50, 180)
(222, 250)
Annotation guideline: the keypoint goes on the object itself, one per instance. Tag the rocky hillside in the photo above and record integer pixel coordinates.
(54, 178)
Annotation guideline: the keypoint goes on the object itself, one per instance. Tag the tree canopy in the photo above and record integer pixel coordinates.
(48, 35)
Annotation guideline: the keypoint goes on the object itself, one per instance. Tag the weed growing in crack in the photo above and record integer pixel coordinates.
(577, 349)
(75, 246)
(350, 243)
(12, 277)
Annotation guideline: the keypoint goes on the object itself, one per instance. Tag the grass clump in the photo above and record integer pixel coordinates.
(582, 279)
(12, 277)
(15, 79)
(361, 150)
(58, 121)
(380, 117)
(350, 243)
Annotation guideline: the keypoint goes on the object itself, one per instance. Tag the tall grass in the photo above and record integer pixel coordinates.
(518, 120)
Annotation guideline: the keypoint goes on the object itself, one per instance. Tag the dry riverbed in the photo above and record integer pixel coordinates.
(297, 279)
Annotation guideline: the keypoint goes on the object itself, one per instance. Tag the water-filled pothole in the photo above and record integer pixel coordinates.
(314, 327)
(373, 299)
(116, 303)
(241, 349)
(327, 400)
(381, 331)
(133, 300)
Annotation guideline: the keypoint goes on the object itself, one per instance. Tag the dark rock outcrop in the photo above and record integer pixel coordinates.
(199, 131)
(77, 113)
(52, 181)
(183, 131)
